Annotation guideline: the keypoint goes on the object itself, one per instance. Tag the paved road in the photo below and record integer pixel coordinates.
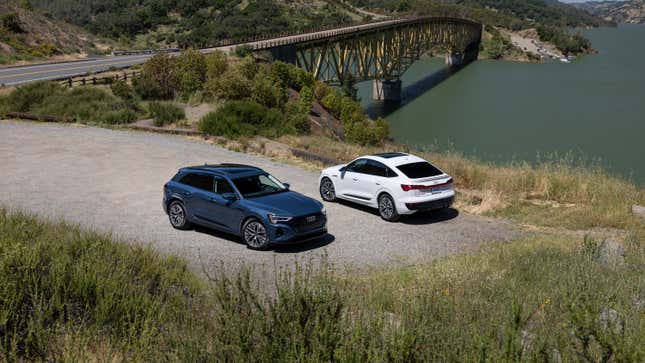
(18, 75)
(112, 181)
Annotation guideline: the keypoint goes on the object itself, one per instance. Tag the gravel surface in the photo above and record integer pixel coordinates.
(112, 181)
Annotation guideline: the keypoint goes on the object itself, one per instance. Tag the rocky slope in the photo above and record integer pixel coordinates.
(26, 34)
(632, 12)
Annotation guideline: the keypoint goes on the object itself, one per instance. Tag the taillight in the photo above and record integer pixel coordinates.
(407, 187)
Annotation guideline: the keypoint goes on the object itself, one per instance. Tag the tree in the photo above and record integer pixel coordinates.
(192, 71)
(216, 64)
(158, 79)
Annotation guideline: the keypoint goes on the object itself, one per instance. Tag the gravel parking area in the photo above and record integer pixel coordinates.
(112, 181)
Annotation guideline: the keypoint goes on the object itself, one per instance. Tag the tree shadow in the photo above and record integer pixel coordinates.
(291, 247)
(419, 218)
(410, 93)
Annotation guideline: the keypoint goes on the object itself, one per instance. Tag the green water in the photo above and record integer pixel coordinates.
(591, 109)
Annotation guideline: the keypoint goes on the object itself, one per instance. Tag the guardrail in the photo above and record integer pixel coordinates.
(145, 51)
(85, 81)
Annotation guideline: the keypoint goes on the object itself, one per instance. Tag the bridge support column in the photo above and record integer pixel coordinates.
(454, 58)
(387, 90)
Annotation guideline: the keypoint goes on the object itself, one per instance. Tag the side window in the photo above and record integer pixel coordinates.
(357, 166)
(389, 173)
(199, 181)
(375, 168)
(222, 186)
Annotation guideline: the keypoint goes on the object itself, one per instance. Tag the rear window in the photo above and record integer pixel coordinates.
(418, 170)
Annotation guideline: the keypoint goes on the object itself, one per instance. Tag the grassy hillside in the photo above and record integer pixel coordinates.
(26, 34)
(74, 295)
(191, 23)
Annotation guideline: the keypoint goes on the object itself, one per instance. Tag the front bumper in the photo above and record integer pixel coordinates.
(298, 229)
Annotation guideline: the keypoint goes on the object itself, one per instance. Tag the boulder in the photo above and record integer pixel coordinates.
(638, 211)
(611, 253)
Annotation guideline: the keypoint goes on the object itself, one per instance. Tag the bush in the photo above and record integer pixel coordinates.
(244, 119)
(291, 75)
(191, 68)
(232, 85)
(23, 98)
(159, 78)
(11, 22)
(164, 113)
(122, 90)
(120, 117)
(243, 51)
(267, 92)
(216, 64)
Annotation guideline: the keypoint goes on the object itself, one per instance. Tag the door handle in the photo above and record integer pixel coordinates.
(378, 183)
(354, 179)
(187, 193)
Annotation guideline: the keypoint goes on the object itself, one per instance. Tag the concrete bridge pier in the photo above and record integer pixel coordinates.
(454, 58)
(387, 90)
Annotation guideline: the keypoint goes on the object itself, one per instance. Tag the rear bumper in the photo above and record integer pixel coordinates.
(431, 205)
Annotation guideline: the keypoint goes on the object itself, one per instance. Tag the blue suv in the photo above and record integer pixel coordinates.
(245, 201)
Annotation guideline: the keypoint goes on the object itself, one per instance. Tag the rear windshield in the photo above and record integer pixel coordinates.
(418, 170)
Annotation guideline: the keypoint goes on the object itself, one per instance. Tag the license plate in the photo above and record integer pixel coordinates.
(311, 219)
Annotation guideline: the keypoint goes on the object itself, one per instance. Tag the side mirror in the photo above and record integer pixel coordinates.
(287, 185)
(342, 170)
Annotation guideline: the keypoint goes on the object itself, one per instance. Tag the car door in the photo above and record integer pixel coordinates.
(349, 181)
(221, 207)
(370, 180)
(188, 191)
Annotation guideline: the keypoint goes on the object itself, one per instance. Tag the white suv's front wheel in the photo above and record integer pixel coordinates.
(327, 190)
(387, 208)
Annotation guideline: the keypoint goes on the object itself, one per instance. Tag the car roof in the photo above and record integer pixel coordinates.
(394, 159)
(226, 169)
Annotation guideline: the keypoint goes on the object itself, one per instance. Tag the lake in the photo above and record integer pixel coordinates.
(592, 109)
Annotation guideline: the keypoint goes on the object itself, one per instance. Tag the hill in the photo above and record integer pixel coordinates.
(26, 35)
(617, 11)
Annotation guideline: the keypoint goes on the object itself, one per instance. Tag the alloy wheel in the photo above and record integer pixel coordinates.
(177, 215)
(386, 207)
(255, 234)
(327, 190)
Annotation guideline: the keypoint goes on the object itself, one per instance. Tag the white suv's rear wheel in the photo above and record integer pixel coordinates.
(387, 208)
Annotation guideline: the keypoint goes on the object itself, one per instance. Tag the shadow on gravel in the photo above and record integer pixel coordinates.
(420, 218)
(295, 247)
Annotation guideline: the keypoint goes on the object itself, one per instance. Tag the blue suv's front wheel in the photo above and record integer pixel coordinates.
(255, 235)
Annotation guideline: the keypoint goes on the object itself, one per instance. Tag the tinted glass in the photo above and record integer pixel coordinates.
(222, 186)
(375, 168)
(357, 166)
(418, 170)
(200, 181)
(258, 185)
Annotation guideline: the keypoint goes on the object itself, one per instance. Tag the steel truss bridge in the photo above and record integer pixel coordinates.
(381, 51)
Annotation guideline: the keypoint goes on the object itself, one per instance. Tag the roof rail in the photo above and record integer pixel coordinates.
(233, 165)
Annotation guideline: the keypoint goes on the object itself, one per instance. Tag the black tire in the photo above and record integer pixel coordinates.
(327, 190)
(387, 208)
(177, 216)
(255, 235)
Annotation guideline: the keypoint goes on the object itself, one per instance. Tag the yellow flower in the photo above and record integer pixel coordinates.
(446, 292)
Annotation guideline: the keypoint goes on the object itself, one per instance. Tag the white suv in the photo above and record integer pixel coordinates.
(395, 183)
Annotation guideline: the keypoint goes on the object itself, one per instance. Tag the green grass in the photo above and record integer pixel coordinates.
(69, 294)
(164, 113)
(87, 104)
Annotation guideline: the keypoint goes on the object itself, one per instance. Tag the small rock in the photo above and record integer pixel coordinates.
(611, 253)
(609, 319)
(638, 211)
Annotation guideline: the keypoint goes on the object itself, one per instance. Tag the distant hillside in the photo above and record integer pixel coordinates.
(26, 34)
(617, 11)
(197, 23)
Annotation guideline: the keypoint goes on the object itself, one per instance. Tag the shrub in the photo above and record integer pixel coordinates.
(11, 22)
(122, 90)
(191, 68)
(248, 68)
(23, 98)
(216, 64)
(159, 78)
(232, 85)
(120, 117)
(267, 92)
(291, 75)
(333, 102)
(164, 113)
(243, 51)
(245, 118)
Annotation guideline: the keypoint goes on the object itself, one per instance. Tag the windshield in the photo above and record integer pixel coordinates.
(258, 185)
(418, 170)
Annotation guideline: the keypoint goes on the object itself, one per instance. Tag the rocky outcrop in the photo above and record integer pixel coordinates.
(632, 12)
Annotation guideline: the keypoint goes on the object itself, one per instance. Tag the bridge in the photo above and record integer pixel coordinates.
(380, 51)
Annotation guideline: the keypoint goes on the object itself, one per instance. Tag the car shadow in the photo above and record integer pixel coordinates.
(419, 218)
(295, 247)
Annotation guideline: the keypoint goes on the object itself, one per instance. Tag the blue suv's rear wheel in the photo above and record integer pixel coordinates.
(177, 215)
(255, 235)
